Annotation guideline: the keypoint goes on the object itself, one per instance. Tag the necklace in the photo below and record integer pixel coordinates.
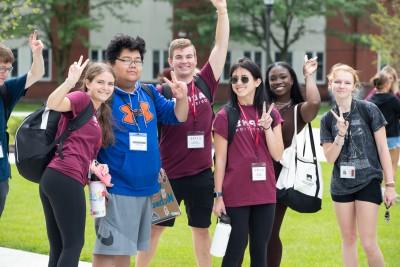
(283, 105)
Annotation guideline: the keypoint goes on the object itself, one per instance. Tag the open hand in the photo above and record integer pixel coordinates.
(310, 65)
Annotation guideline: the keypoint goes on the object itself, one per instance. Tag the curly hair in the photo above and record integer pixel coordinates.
(122, 41)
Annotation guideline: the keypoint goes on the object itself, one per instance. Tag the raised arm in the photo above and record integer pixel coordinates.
(57, 99)
(37, 69)
(313, 100)
(218, 53)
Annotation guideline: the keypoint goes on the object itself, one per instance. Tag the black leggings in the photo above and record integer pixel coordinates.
(63, 200)
(274, 246)
(253, 223)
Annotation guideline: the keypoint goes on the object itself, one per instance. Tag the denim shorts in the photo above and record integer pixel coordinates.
(393, 142)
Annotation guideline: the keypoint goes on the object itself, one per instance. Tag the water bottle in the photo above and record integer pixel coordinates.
(97, 191)
(221, 236)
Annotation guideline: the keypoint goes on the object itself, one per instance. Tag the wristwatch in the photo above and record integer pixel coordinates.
(217, 194)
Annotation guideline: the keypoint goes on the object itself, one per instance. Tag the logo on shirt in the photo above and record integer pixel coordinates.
(132, 116)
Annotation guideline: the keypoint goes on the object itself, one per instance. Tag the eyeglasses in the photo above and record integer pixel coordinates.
(6, 69)
(128, 62)
(235, 79)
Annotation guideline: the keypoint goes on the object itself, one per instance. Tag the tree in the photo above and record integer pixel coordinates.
(248, 20)
(387, 19)
(63, 21)
(11, 13)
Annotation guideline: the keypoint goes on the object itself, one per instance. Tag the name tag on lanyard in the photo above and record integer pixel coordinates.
(138, 141)
(195, 140)
(259, 171)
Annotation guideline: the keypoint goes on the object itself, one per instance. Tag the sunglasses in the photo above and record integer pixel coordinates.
(243, 79)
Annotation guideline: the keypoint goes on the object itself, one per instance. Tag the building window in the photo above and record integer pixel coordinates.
(160, 62)
(97, 55)
(319, 76)
(288, 59)
(227, 66)
(14, 72)
(256, 56)
(156, 63)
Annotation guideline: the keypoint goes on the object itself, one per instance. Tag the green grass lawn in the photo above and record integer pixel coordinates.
(309, 239)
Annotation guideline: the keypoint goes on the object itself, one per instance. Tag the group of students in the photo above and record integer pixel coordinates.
(122, 135)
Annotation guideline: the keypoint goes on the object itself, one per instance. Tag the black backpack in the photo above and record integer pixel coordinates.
(233, 117)
(35, 140)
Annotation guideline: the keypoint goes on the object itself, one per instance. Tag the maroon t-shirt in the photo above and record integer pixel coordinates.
(82, 145)
(238, 187)
(178, 160)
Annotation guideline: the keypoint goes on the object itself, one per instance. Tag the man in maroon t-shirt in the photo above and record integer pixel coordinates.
(186, 148)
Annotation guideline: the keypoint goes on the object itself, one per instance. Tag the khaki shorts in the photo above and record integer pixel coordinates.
(126, 227)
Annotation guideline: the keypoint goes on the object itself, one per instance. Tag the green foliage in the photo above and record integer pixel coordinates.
(248, 19)
(13, 124)
(387, 19)
(308, 239)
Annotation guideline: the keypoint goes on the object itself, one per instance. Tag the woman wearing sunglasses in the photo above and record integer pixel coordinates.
(244, 177)
(284, 90)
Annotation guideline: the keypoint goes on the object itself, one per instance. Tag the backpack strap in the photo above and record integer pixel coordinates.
(148, 91)
(233, 118)
(81, 119)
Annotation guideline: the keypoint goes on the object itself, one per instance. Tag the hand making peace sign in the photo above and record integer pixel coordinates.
(310, 65)
(75, 71)
(35, 44)
(341, 124)
(266, 120)
(178, 88)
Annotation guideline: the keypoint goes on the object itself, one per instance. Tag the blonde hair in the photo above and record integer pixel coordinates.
(343, 67)
(392, 71)
(180, 43)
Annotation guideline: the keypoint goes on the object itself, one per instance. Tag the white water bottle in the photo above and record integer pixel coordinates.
(221, 236)
(97, 199)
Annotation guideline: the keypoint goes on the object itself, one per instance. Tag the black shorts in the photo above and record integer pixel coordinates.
(371, 193)
(197, 193)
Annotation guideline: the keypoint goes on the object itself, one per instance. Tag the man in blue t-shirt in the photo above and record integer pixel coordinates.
(10, 92)
(134, 158)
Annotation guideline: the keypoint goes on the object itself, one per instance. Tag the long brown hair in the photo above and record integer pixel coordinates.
(104, 113)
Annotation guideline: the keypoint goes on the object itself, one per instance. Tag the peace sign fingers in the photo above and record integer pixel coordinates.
(178, 88)
(341, 124)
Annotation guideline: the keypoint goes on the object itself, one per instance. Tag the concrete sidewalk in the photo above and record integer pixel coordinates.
(18, 258)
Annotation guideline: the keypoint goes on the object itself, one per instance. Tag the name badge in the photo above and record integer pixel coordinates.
(1, 151)
(138, 141)
(347, 172)
(259, 171)
(195, 140)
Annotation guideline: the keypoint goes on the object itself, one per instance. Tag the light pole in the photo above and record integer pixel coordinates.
(268, 9)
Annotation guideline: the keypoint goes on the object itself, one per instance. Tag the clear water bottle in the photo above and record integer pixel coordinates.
(97, 197)
(221, 236)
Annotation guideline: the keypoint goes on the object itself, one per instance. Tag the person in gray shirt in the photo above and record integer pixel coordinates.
(353, 138)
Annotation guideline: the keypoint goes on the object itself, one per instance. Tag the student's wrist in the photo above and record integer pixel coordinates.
(390, 184)
(222, 11)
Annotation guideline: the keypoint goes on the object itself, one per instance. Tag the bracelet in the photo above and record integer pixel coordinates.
(391, 184)
(267, 128)
(222, 12)
(338, 141)
(217, 194)
(341, 135)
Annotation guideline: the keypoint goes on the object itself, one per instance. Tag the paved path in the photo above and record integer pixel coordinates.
(18, 258)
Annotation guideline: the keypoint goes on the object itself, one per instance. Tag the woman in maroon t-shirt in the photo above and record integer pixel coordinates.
(61, 186)
(244, 176)
(284, 90)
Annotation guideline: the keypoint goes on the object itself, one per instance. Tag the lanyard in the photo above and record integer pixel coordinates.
(141, 110)
(193, 106)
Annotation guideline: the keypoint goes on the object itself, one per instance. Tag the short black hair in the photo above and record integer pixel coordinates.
(122, 41)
